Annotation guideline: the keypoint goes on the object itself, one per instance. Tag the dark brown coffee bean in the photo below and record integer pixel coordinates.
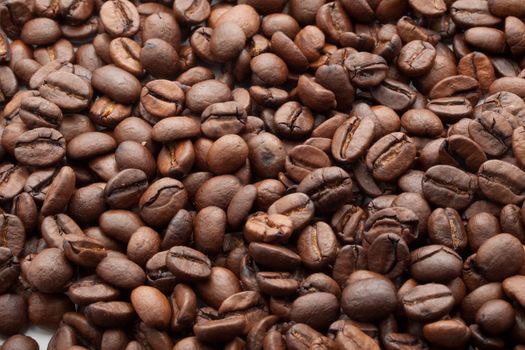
(434, 9)
(395, 148)
(473, 13)
(40, 147)
(416, 58)
(59, 192)
(152, 306)
(120, 18)
(447, 333)
(317, 245)
(40, 31)
(49, 271)
(304, 309)
(277, 284)
(368, 299)
(327, 187)
(365, 69)
(122, 87)
(490, 262)
(427, 302)
(451, 109)
(68, 91)
(217, 191)
(125, 53)
(352, 139)
(262, 227)
(121, 272)
(478, 66)
(449, 186)
(500, 181)
(149, 58)
(486, 39)
(13, 309)
(162, 200)
(458, 85)
(445, 227)
(125, 189)
(38, 112)
(90, 144)
(162, 98)
(388, 255)
(187, 263)
(105, 314)
(13, 179)
(191, 11)
(435, 263)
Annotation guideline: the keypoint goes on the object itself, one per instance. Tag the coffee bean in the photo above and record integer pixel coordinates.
(427, 302)
(374, 304)
(40, 147)
(125, 189)
(503, 178)
(120, 18)
(120, 272)
(165, 196)
(151, 306)
(449, 186)
(473, 13)
(390, 156)
(365, 69)
(122, 87)
(125, 53)
(162, 98)
(38, 112)
(447, 332)
(317, 245)
(187, 263)
(68, 91)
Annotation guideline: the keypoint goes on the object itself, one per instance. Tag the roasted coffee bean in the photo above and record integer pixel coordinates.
(123, 87)
(162, 98)
(125, 189)
(90, 144)
(427, 302)
(352, 139)
(68, 91)
(317, 245)
(187, 263)
(38, 112)
(390, 156)
(165, 196)
(449, 186)
(59, 192)
(120, 18)
(446, 227)
(262, 227)
(416, 58)
(40, 147)
(376, 303)
(500, 181)
(327, 187)
(365, 69)
(120, 272)
(435, 263)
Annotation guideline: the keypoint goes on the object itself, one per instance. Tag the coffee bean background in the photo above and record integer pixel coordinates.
(262, 174)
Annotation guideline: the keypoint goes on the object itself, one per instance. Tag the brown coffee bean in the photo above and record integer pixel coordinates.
(120, 18)
(120, 272)
(395, 148)
(40, 147)
(427, 302)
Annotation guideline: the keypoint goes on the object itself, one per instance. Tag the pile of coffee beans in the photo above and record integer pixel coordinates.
(263, 174)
